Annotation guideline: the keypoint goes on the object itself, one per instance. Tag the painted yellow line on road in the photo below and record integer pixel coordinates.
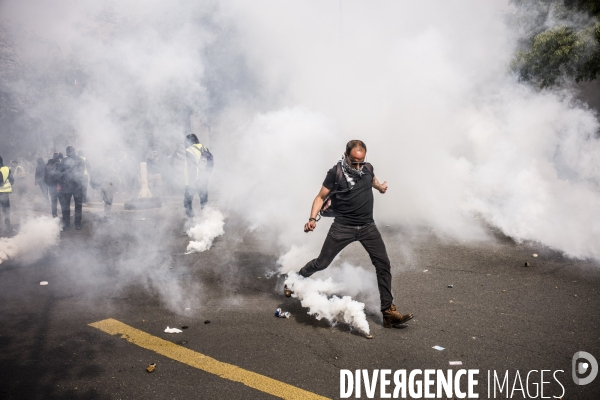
(205, 363)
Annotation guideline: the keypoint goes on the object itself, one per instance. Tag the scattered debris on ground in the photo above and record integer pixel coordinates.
(151, 367)
(282, 314)
(173, 330)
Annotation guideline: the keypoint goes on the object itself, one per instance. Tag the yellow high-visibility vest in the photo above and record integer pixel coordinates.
(196, 150)
(7, 187)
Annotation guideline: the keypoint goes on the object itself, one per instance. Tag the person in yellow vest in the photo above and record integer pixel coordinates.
(198, 166)
(86, 176)
(6, 182)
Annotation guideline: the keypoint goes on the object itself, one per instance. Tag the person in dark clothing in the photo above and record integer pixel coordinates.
(198, 166)
(39, 177)
(6, 182)
(52, 180)
(354, 222)
(71, 175)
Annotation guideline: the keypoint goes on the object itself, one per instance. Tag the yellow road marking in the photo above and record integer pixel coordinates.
(205, 363)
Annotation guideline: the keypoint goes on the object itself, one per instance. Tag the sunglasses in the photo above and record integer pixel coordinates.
(355, 163)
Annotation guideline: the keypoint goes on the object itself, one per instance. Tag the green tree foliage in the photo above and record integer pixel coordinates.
(561, 40)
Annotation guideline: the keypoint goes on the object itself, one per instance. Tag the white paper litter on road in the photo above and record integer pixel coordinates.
(535, 255)
(173, 330)
(43, 283)
(440, 348)
(455, 362)
(425, 270)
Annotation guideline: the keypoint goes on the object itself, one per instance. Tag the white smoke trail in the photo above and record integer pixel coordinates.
(34, 238)
(208, 226)
(314, 295)
(319, 295)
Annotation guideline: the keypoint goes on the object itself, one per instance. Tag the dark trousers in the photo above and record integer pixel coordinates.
(188, 196)
(5, 204)
(65, 205)
(340, 236)
(53, 199)
(44, 189)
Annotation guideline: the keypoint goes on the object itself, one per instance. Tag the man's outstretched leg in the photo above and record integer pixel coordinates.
(339, 236)
(373, 243)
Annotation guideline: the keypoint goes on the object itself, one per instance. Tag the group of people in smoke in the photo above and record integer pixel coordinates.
(65, 178)
(60, 180)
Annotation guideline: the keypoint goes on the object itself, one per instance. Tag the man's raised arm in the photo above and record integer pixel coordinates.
(382, 187)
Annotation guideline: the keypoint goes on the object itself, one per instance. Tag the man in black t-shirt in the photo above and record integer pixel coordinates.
(354, 222)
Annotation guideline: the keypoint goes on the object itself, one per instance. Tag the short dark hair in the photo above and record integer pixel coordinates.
(191, 139)
(355, 143)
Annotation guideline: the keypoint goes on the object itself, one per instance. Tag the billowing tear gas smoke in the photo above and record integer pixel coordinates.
(207, 227)
(321, 294)
(318, 295)
(462, 144)
(35, 236)
(458, 139)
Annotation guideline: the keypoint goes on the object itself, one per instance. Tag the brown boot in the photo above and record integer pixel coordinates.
(392, 317)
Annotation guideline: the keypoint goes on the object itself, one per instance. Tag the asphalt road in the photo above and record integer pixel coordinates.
(498, 316)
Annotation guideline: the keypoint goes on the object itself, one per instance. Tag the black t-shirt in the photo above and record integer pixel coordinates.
(71, 173)
(354, 207)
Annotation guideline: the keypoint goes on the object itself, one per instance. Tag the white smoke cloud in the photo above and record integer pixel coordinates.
(35, 236)
(320, 293)
(427, 88)
(207, 227)
(319, 296)
(283, 86)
